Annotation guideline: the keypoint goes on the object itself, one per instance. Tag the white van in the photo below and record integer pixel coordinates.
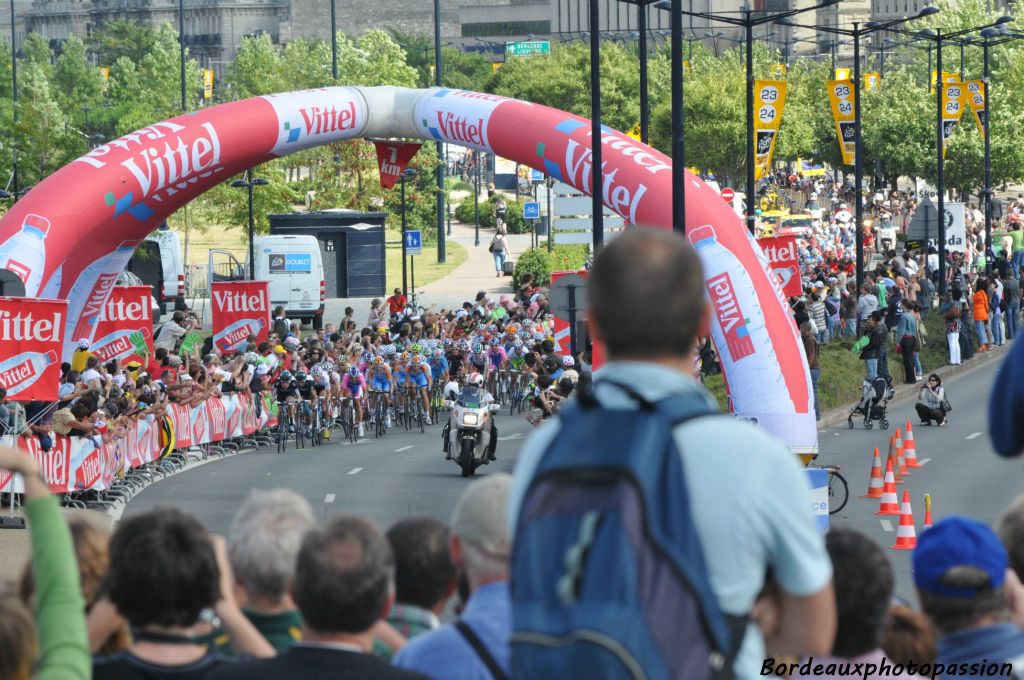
(159, 263)
(295, 270)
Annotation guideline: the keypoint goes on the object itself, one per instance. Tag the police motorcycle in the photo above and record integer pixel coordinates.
(470, 436)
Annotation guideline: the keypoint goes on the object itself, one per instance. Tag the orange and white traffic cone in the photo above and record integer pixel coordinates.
(889, 504)
(906, 538)
(927, 511)
(909, 448)
(897, 477)
(901, 462)
(875, 482)
(898, 443)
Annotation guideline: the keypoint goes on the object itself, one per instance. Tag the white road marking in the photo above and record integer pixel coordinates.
(517, 435)
(404, 448)
(886, 524)
(355, 471)
(923, 461)
(974, 436)
(329, 498)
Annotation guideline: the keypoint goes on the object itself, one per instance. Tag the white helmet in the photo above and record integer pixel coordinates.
(476, 380)
(451, 390)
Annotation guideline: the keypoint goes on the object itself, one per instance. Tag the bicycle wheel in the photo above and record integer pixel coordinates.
(838, 492)
(379, 415)
(318, 427)
(421, 416)
(282, 430)
(300, 430)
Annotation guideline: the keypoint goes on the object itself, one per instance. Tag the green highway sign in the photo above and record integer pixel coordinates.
(527, 49)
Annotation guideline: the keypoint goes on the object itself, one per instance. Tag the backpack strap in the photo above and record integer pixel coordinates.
(481, 650)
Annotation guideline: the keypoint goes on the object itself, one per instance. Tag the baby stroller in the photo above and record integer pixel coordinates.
(873, 402)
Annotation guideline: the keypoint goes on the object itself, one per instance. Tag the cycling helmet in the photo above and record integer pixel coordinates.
(378, 361)
(464, 345)
(476, 380)
(518, 344)
(512, 329)
(367, 357)
(568, 361)
(353, 371)
(286, 376)
(478, 348)
(404, 356)
(251, 357)
(417, 359)
(494, 342)
(447, 343)
(300, 375)
(438, 354)
(416, 349)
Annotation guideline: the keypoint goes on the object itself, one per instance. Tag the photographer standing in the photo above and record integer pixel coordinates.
(173, 331)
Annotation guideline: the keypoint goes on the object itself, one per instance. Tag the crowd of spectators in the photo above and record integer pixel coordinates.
(901, 287)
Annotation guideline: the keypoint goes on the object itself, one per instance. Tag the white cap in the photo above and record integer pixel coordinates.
(481, 516)
(83, 344)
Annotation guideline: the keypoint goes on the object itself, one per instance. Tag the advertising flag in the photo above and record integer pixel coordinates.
(207, 83)
(240, 309)
(784, 260)
(393, 158)
(976, 99)
(769, 103)
(841, 97)
(947, 77)
(953, 95)
(32, 333)
(872, 81)
(125, 330)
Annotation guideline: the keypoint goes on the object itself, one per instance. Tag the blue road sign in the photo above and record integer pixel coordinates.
(531, 210)
(413, 243)
(536, 176)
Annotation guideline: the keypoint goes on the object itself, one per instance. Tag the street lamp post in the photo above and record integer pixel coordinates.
(938, 37)
(408, 173)
(181, 48)
(596, 174)
(249, 184)
(476, 199)
(858, 167)
(747, 22)
(987, 34)
(14, 100)
(442, 165)
(334, 42)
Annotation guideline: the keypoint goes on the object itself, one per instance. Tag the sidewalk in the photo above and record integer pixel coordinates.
(475, 274)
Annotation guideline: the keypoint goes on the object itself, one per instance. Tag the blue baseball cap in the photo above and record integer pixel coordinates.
(957, 542)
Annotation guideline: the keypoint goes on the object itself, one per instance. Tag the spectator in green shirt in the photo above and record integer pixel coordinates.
(263, 543)
(56, 647)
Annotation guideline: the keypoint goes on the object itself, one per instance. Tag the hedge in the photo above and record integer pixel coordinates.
(514, 221)
(540, 263)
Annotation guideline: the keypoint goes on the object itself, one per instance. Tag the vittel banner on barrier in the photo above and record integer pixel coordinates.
(31, 334)
(83, 463)
(91, 214)
(125, 330)
(241, 309)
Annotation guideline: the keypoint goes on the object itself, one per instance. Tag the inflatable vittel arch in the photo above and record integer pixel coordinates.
(75, 231)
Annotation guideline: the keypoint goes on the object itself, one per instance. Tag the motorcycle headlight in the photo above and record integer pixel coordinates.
(470, 419)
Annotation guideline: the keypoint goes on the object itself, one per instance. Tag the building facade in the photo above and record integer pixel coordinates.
(214, 29)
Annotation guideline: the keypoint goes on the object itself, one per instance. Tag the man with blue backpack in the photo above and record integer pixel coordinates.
(653, 537)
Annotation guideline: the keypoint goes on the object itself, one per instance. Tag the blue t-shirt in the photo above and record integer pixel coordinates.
(444, 653)
(751, 500)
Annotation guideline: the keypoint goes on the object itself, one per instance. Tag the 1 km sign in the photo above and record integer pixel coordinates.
(392, 159)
